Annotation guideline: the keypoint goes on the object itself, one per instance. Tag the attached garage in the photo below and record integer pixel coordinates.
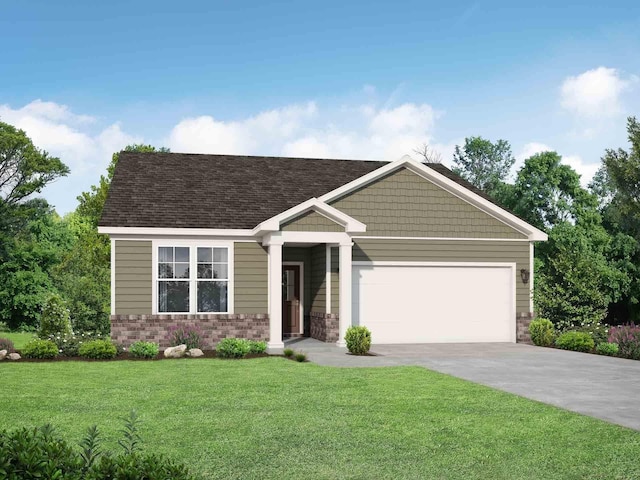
(431, 302)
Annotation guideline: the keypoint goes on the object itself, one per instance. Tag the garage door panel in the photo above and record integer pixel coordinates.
(407, 304)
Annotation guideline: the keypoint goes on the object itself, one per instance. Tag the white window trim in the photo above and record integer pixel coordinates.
(193, 244)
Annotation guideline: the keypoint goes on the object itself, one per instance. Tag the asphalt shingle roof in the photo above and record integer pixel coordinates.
(223, 191)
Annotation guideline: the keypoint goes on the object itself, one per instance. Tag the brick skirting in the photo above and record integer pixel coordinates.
(126, 329)
(523, 320)
(324, 326)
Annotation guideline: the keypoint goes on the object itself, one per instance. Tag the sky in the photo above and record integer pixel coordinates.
(357, 80)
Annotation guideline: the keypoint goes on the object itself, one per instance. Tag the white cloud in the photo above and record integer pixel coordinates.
(584, 169)
(362, 131)
(595, 93)
(62, 133)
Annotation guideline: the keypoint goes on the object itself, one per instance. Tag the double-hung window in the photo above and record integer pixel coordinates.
(192, 279)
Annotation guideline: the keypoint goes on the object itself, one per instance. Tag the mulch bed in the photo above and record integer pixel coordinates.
(129, 357)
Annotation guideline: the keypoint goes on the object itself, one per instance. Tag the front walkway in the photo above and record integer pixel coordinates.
(602, 387)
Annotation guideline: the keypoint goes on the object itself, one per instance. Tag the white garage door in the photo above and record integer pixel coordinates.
(434, 303)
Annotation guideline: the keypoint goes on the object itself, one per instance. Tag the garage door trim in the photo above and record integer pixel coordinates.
(510, 265)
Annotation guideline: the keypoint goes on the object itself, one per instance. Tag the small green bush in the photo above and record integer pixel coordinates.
(4, 327)
(233, 348)
(358, 340)
(576, 341)
(606, 348)
(55, 318)
(301, 357)
(6, 344)
(41, 453)
(38, 348)
(257, 347)
(542, 332)
(288, 352)
(98, 350)
(144, 349)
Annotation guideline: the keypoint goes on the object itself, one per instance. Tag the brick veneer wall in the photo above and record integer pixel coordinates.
(324, 326)
(126, 329)
(523, 320)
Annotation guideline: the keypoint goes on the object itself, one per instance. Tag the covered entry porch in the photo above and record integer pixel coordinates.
(309, 292)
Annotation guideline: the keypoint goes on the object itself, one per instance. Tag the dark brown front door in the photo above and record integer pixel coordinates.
(291, 299)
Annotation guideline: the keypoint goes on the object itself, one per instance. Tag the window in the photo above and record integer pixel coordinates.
(193, 279)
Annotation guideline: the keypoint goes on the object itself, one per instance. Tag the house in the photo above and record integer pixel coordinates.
(268, 248)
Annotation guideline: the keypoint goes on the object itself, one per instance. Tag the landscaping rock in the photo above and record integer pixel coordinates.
(3, 353)
(195, 352)
(14, 356)
(175, 352)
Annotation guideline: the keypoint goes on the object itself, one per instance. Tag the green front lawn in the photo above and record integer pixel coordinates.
(273, 418)
(19, 339)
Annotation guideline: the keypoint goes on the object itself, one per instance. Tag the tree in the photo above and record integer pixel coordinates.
(428, 154)
(486, 165)
(547, 192)
(24, 169)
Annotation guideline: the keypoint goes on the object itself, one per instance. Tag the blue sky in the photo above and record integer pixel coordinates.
(336, 79)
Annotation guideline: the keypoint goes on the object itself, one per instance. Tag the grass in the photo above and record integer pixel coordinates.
(273, 418)
(19, 339)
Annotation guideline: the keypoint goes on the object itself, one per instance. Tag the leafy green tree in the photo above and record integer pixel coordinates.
(547, 193)
(24, 169)
(483, 163)
(575, 280)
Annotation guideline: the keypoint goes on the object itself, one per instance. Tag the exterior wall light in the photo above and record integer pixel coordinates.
(524, 275)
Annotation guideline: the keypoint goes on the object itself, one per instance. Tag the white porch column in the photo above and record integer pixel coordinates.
(275, 293)
(345, 290)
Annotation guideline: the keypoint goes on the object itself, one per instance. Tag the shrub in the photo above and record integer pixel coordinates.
(576, 341)
(6, 344)
(598, 331)
(41, 453)
(69, 344)
(606, 348)
(233, 348)
(358, 340)
(288, 352)
(144, 349)
(98, 350)
(4, 327)
(257, 347)
(628, 339)
(55, 318)
(189, 335)
(301, 357)
(542, 332)
(38, 348)
(26, 328)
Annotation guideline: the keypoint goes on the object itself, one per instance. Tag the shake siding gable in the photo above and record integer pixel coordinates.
(405, 204)
(133, 277)
(251, 276)
(312, 222)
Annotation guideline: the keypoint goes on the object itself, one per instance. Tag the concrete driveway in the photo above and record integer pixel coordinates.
(602, 387)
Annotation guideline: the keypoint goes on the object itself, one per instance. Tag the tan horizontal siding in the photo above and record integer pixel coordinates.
(404, 204)
(453, 251)
(317, 279)
(133, 277)
(312, 222)
(335, 280)
(251, 276)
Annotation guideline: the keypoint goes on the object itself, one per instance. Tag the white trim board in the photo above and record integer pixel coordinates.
(448, 239)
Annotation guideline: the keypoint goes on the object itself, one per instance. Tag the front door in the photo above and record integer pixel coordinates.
(291, 299)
